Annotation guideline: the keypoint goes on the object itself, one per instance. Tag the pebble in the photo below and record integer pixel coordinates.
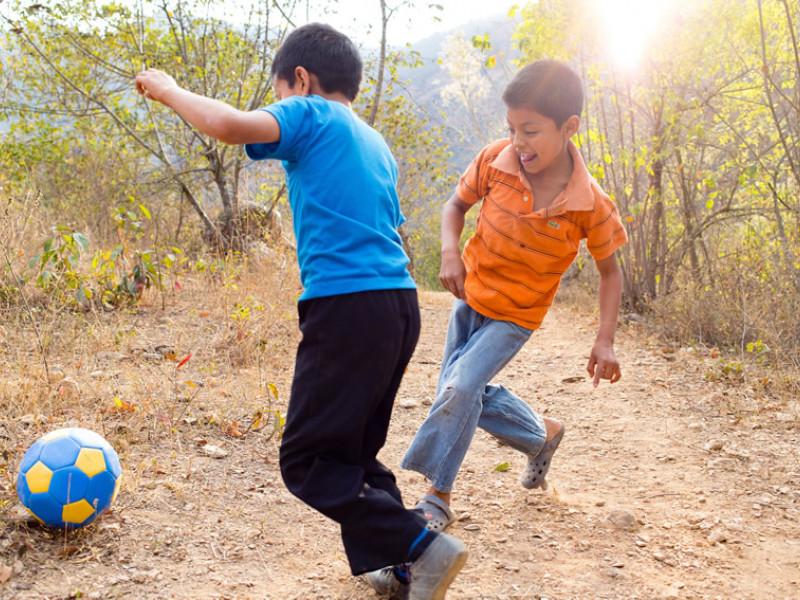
(722, 463)
(697, 518)
(671, 594)
(55, 375)
(622, 519)
(68, 389)
(408, 403)
(214, 451)
(109, 355)
(718, 536)
(27, 420)
(472, 527)
(714, 445)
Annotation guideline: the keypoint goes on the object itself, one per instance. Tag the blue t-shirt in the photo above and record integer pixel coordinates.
(342, 181)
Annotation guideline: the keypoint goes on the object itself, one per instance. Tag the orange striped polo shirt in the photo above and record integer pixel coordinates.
(516, 257)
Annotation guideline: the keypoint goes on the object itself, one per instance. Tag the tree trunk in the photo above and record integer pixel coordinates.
(373, 113)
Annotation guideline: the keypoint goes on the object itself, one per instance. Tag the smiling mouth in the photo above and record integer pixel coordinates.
(527, 157)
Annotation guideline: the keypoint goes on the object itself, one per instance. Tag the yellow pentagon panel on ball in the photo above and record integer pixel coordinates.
(38, 478)
(76, 512)
(91, 461)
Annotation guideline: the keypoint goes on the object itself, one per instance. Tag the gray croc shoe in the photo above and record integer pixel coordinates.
(536, 471)
(436, 512)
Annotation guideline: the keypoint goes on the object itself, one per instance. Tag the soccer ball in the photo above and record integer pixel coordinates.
(68, 477)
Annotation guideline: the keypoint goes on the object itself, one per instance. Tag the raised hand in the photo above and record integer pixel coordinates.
(155, 84)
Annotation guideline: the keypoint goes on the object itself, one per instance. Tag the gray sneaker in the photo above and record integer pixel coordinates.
(385, 583)
(434, 571)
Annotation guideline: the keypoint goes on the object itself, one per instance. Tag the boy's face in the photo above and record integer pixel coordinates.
(537, 139)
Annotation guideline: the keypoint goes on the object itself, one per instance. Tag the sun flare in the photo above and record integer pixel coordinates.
(629, 26)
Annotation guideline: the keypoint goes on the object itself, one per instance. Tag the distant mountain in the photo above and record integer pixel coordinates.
(466, 133)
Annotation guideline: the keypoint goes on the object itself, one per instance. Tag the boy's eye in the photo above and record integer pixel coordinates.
(531, 132)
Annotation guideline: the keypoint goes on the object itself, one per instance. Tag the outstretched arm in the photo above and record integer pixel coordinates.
(212, 117)
(603, 362)
(452, 272)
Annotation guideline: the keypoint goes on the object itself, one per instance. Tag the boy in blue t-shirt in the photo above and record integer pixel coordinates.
(358, 312)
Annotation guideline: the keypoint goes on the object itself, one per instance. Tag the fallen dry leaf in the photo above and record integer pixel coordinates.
(5, 573)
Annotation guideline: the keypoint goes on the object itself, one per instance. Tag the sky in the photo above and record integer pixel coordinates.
(360, 19)
(629, 26)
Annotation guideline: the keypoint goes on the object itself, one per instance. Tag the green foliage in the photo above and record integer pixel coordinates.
(58, 271)
(699, 148)
(110, 280)
(75, 111)
(79, 130)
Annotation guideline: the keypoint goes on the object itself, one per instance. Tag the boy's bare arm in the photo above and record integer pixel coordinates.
(453, 273)
(212, 117)
(603, 362)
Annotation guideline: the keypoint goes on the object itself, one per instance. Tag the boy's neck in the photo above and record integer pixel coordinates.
(333, 97)
(341, 98)
(557, 173)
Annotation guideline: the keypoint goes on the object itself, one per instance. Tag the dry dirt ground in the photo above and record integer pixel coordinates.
(666, 485)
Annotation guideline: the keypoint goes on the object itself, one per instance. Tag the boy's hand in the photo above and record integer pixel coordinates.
(155, 84)
(603, 364)
(453, 273)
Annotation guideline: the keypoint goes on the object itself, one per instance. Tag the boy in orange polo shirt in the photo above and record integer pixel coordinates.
(539, 201)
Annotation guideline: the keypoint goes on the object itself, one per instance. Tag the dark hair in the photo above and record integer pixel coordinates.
(323, 51)
(549, 87)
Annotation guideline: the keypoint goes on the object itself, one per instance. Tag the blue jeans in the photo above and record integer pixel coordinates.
(477, 348)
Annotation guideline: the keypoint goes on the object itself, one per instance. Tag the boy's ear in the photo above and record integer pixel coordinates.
(571, 125)
(302, 81)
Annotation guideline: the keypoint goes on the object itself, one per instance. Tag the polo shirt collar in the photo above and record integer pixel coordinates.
(579, 193)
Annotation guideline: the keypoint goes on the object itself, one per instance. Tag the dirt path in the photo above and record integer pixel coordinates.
(665, 486)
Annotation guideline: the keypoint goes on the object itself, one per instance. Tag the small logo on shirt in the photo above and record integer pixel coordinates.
(554, 224)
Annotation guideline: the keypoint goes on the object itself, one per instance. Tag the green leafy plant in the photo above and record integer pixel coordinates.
(58, 266)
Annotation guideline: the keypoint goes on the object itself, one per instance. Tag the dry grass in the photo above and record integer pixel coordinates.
(748, 327)
(119, 372)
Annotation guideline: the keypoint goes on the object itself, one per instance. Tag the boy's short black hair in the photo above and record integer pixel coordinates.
(549, 87)
(323, 51)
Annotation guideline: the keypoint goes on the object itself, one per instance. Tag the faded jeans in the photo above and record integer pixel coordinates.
(477, 348)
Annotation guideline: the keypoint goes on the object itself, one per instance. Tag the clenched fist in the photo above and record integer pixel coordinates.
(155, 84)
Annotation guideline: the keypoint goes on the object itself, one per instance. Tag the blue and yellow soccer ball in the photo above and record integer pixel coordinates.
(69, 477)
